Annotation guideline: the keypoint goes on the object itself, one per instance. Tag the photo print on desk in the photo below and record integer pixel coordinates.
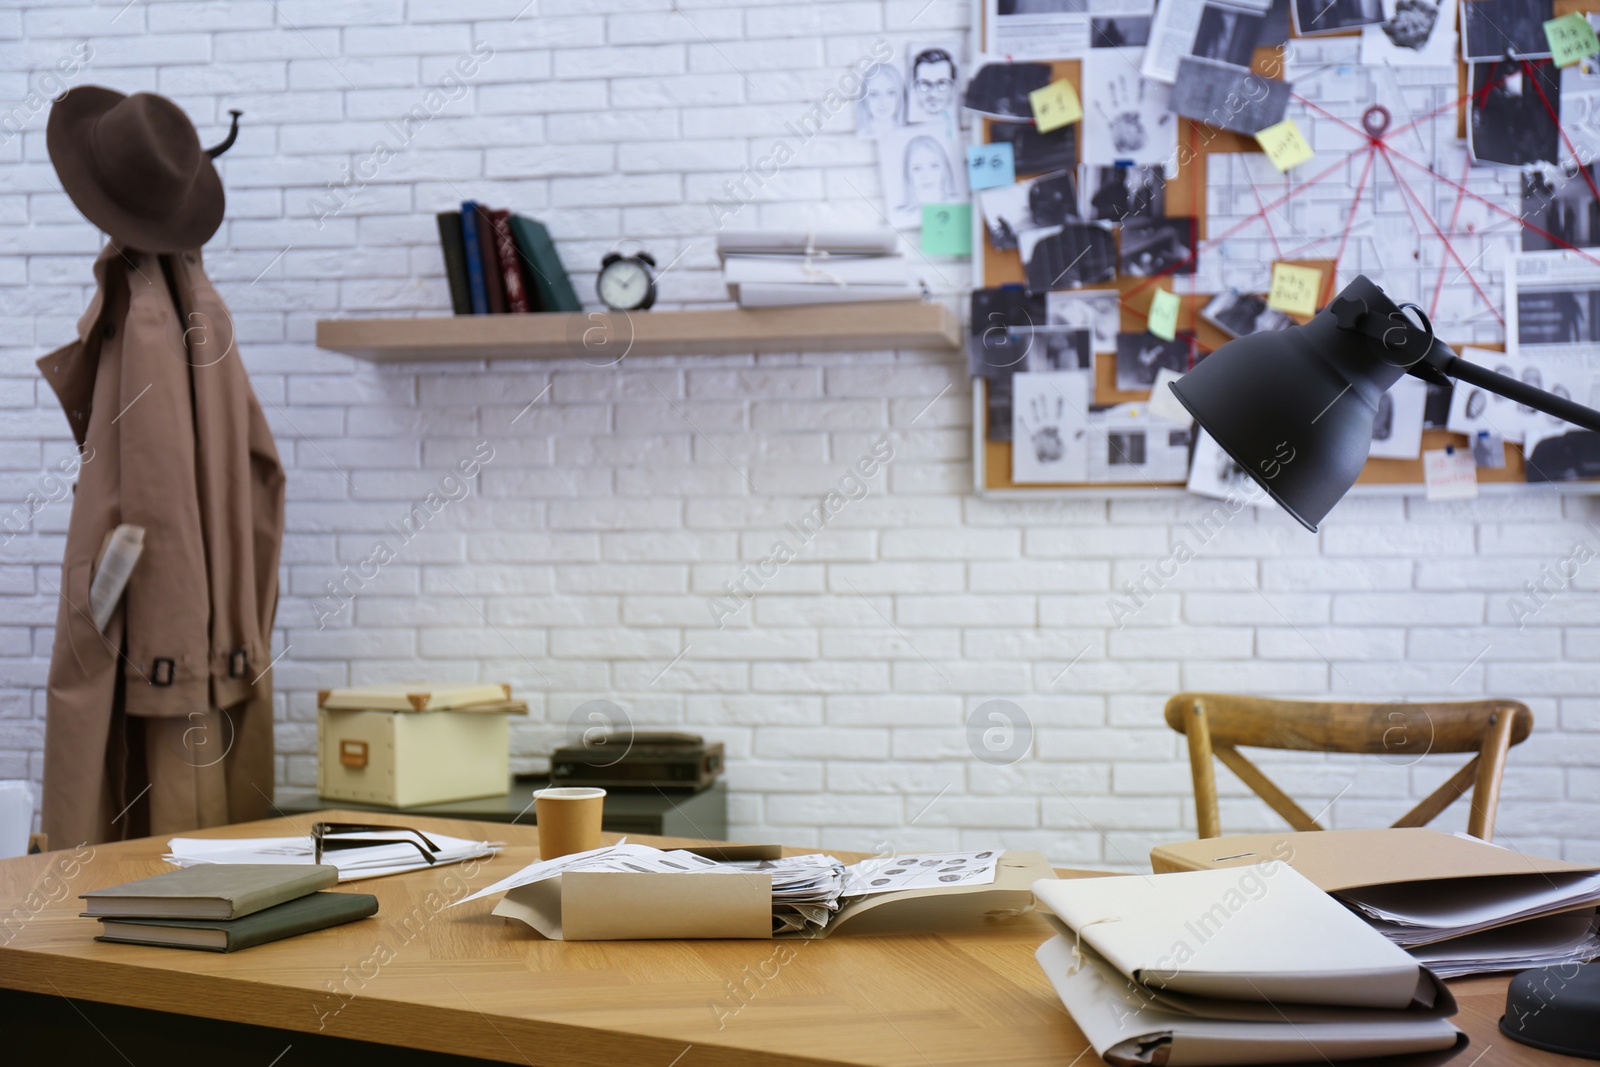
(1152, 247)
(1112, 194)
(1413, 33)
(920, 165)
(1010, 210)
(1492, 28)
(1050, 427)
(1512, 113)
(1313, 17)
(1127, 117)
(1141, 356)
(1069, 257)
(933, 78)
(1097, 310)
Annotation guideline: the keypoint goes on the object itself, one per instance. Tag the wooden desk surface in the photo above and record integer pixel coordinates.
(467, 982)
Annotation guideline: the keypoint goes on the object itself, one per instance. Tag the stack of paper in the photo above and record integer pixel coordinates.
(353, 863)
(1425, 913)
(772, 269)
(1241, 966)
(1544, 942)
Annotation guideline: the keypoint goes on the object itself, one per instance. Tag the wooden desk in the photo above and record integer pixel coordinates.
(462, 981)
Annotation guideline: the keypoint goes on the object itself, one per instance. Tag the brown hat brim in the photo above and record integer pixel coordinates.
(189, 226)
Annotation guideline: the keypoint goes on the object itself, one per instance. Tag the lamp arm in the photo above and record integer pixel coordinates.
(1518, 390)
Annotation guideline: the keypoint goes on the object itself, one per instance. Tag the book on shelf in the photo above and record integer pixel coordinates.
(547, 274)
(455, 261)
(477, 286)
(489, 255)
(518, 298)
(315, 911)
(221, 891)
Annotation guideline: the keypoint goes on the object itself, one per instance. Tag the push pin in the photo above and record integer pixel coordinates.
(1375, 120)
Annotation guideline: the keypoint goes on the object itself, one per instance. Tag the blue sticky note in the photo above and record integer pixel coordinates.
(989, 165)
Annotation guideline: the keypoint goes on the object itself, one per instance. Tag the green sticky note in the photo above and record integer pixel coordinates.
(947, 229)
(1571, 38)
(1163, 320)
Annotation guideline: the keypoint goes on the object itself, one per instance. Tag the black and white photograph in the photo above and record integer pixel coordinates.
(1119, 31)
(933, 81)
(1069, 257)
(1060, 348)
(920, 165)
(881, 103)
(1492, 28)
(1413, 33)
(1213, 473)
(1560, 208)
(1152, 247)
(1000, 90)
(1141, 355)
(1242, 314)
(1512, 114)
(1132, 445)
(1397, 428)
(1558, 316)
(1275, 25)
(1050, 433)
(1228, 97)
(1002, 320)
(1227, 34)
(1033, 152)
(1097, 310)
(1127, 117)
(1009, 210)
(1312, 17)
(1113, 194)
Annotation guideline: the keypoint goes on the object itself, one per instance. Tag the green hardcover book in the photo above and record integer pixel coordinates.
(455, 261)
(315, 912)
(555, 288)
(210, 891)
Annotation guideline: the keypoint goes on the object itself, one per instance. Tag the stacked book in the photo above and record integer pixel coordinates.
(224, 907)
(499, 262)
(1239, 966)
(777, 268)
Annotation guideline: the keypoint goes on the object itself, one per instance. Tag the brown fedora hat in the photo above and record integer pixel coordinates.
(134, 166)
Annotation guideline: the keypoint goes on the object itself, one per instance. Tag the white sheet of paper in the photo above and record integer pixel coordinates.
(1163, 404)
(1050, 426)
(1213, 473)
(1129, 444)
(1403, 440)
(930, 870)
(1450, 474)
(353, 864)
(1126, 116)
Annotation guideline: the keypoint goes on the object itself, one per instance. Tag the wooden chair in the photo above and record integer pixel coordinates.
(1217, 723)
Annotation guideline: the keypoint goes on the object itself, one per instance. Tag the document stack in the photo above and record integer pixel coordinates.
(783, 268)
(1457, 904)
(1241, 966)
(224, 907)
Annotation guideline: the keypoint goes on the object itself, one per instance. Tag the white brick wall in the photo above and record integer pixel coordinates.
(581, 562)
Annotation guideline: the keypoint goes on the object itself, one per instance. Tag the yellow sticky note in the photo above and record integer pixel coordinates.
(1571, 38)
(1295, 289)
(1055, 106)
(1284, 145)
(1163, 318)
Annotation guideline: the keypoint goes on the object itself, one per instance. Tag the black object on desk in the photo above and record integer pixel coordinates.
(669, 813)
(1556, 1009)
(623, 759)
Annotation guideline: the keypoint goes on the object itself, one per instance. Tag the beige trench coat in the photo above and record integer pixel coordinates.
(163, 723)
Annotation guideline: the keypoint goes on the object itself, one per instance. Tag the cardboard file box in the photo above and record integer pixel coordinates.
(404, 759)
(616, 906)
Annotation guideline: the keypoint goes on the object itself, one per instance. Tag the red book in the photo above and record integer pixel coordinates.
(488, 249)
(510, 270)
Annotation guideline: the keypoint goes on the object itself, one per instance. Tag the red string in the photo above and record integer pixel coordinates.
(1583, 170)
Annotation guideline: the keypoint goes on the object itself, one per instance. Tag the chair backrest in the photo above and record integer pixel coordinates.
(1217, 723)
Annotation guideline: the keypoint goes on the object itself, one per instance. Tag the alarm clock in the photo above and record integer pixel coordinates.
(627, 283)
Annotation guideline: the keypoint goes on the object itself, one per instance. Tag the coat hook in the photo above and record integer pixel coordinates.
(227, 142)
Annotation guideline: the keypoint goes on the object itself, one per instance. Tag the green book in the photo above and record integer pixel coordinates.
(555, 288)
(315, 912)
(210, 891)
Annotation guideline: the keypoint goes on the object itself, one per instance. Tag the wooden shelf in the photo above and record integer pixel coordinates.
(604, 337)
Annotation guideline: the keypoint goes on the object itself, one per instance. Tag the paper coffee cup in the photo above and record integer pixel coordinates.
(568, 818)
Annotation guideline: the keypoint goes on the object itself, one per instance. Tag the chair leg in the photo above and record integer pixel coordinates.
(1491, 766)
(1198, 730)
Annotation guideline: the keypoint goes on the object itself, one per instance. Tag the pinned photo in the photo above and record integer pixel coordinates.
(1141, 356)
(1034, 152)
(1113, 194)
(1228, 97)
(1413, 33)
(933, 78)
(1097, 310)
(1069, 257)
(1050, 427)
(1512, 113)
(1119, 31)
(1560, 207)
(1312, 17)
(1000, 90)
(1010, 210)
(1492, 29)
(881, 103)
(1127, 117)
(1242, 314)
(1227, 34)
(1152, 247)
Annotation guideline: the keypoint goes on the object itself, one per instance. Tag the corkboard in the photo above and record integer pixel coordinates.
(1186, 197)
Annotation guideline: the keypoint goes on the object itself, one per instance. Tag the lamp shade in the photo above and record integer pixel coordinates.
(1295, 408)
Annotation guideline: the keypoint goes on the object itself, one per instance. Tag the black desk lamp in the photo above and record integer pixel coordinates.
(1295, 408)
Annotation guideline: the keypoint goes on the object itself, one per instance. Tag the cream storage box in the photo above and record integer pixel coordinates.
(406, 745)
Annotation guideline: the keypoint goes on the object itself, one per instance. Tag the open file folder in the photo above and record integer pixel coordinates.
(1244, 966)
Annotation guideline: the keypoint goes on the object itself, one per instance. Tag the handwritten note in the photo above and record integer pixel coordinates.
(1163, 319)
(1055, 106)
(947, 229)
(1449, 474)
(1571, 38)
(1294, 289)
(1163, 403)
(989, 165)
(1284, 144)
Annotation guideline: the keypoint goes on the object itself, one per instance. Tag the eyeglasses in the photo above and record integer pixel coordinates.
(942, 83)
(331, 836)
